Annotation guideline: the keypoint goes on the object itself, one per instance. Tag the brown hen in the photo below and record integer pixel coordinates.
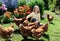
(50, 18)
(37, 33)
(19, 21)
(6, 32)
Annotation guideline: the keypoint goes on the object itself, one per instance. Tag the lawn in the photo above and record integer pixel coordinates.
(53, 33)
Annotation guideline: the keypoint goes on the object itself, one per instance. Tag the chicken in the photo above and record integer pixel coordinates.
(6, 32)
(45, 27)
(27, 23)
(37, 33)
(19, 21)
(26, 27)
(26, 30)
(50, 18)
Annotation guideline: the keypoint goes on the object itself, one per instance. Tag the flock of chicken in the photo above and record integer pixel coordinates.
(26, 28)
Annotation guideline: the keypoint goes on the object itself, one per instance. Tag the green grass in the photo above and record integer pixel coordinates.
(53, 33)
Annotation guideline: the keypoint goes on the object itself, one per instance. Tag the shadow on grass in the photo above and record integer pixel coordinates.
(26, 39)
(32, 40)
(46, 36)
(7, 40)
(52, 23)
(17, 31)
